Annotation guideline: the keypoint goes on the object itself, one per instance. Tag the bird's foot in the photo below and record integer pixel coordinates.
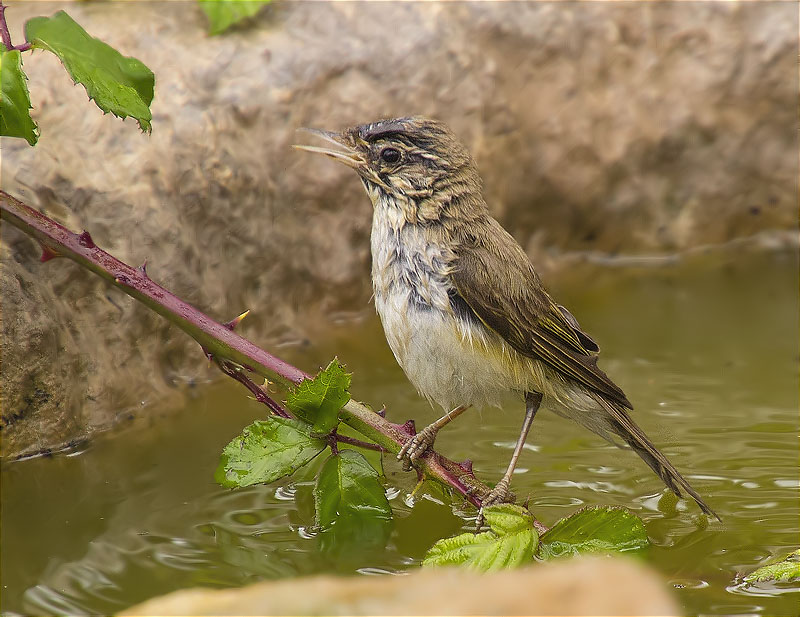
(499, 494)
(416, 446)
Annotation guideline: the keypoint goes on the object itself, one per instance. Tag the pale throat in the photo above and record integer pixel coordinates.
(407, 261)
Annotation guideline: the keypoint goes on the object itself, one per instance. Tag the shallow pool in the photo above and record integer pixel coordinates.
(706, 349)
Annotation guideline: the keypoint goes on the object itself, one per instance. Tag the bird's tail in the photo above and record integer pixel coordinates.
(624, 426)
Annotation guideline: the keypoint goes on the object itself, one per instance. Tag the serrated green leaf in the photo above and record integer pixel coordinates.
(787, 569)
(318, 400)
(510, 543)
(351, 505)
(265, 451)
(15, 117)
(595, 529)
(222, 14)
(116, 83)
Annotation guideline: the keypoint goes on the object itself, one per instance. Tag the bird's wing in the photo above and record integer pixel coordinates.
(518, 308)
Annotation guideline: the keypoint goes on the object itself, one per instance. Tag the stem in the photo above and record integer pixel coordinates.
(235, 372)
(350, 441)
(220, 342)
(5, 35)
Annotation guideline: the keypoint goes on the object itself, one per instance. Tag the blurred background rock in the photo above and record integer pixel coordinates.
(578, 586)
(616, 128)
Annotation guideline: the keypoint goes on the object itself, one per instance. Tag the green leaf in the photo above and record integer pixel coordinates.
(349, 487)
(351, 505)
(267, 450)
(222, 14)
(510, 543)
(15, 117)
(319, 400)
(117, 84)
(595, 529)
(507, 518)
(787, 569)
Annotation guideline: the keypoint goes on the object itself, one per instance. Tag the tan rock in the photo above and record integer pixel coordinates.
(615, 127)
(583, 586)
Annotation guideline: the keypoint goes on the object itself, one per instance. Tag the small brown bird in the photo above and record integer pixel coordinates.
(463, 309)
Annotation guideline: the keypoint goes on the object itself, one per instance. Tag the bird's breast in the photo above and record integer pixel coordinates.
(450, 358)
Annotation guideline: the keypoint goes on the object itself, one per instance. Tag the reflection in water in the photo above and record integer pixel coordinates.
(711, 369)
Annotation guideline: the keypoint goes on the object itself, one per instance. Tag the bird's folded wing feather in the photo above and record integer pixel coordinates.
(517, 307)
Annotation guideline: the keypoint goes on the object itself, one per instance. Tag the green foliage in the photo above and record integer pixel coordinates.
(117, 84)
(510, 543)
(352, 512)
(15, 117)
(318, 400)
(513, 540)
(596, 529)
(787, 569)
(350, 503)
(266, 451)
(222, 14)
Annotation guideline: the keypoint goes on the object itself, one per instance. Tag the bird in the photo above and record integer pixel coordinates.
(462, 307)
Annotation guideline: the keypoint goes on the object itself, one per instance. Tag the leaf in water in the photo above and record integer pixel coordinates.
(222, 14)
(595, 529)
(319, 400)
(15, 117)
(351, 505)
(510, 543)
(787, 569)
(116, 83)
(267, 450)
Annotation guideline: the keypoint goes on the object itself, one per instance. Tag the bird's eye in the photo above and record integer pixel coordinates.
(390, 155)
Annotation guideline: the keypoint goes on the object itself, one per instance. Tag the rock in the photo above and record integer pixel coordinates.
(583, 586)
(615, 127)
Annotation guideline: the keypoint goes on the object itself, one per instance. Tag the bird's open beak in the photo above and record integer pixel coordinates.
(342, 152)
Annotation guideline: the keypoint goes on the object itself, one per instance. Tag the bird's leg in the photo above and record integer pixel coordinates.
(419, 443)
(500, 492)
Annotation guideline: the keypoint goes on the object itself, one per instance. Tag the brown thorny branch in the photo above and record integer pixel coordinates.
(234, 355)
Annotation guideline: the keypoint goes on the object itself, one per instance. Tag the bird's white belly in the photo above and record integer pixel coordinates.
(449, 362)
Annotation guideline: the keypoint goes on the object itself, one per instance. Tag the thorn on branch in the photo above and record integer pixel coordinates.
(382, 412)
(231, 325)
(85, 240)
(209, 356)
(47, 254)
(409, 428)
(466, 465)
(143, 269)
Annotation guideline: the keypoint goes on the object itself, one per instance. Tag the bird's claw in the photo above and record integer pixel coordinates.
(499, 494)
(416, 446)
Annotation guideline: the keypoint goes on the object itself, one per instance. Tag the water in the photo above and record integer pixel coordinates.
(707, 350)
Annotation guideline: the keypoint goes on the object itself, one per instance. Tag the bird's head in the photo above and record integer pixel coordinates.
(416, 163)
